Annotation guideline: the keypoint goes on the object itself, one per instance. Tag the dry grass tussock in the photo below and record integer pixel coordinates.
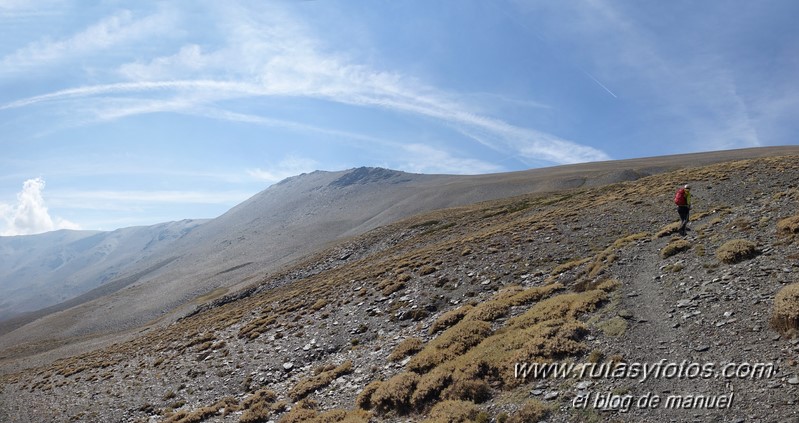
(531, 411)
(405, 348)
(736, 250)
(789, 225)
(325, 375)
(674, 247)
(465, 360)
(785, 315)
(306, 411)
(222, 407)
(454, 411)
(449, 318)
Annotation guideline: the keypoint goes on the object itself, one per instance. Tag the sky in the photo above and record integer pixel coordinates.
(123, 113)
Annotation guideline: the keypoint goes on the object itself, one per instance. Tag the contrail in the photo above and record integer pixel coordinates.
(600, 84)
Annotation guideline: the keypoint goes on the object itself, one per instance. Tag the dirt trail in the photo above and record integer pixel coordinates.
(694, 321)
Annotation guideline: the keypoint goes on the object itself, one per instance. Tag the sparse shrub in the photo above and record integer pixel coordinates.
(341, 416)
(789, 225)
(453, 411)
(451, 343)
(736, 250)
(307, 386)
(364, 399)
(606, 285)
(502, 301)
(429, 388)
(615, 326)
(257, 407)
(674, 268)
(392, 288)
(426, 270)
(319, 304)
(203, 413)
(785, 315)
(669, 229)
(395, 393)
(674, 247)
(302, 412)
(595, 356)
(405, 348)
(475, 390)
(416, 314)
(565, 267)
(449, 318)
(532, 411)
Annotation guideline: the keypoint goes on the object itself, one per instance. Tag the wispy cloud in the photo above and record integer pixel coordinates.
(122, 27)
(421, 158)
(29, 215)
(269, 53)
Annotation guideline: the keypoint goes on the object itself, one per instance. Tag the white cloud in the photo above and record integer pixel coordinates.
(30, 215)
(111, 31)
(270, 53)
(423, 158)
(290, 166)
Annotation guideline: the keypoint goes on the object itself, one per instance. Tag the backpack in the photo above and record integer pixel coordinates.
(679, 198)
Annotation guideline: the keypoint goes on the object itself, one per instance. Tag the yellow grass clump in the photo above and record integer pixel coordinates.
(508, 297)
(395, 393)
(450, 344)
(307, 386)
(674, 247)
(736, 250)
(669, 229)
(453, 411)
(203, 413)
(532, 411)
(789, 225)
(785, 315)
(405, 348)
(449, 318)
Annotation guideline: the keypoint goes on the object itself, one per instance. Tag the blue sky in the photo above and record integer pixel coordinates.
(120, 113)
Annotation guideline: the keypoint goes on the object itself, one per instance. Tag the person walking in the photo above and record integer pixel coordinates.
(683, 201)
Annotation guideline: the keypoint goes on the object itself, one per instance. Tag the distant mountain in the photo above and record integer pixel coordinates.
(441, 315)
(37, 271)
(286, 222)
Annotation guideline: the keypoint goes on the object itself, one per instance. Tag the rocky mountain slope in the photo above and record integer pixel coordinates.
(429, 318)
(284, 223)
(37, 271)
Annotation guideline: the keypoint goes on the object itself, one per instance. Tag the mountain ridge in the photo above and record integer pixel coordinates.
(301, 215)
(426, 316)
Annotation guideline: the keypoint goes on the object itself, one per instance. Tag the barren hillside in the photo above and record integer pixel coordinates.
(276, 227)
(429, 318)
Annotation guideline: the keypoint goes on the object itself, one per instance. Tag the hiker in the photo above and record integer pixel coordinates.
(683, 201)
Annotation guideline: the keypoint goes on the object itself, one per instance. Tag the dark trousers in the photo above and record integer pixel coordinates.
(683, 211)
